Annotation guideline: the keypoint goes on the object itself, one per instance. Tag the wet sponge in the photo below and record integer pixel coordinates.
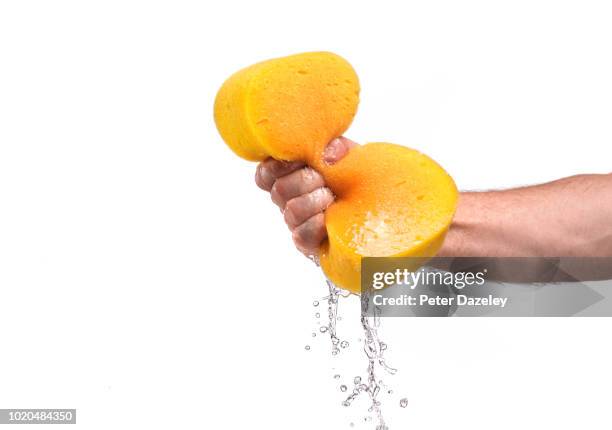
(288, 108)
(390, 200)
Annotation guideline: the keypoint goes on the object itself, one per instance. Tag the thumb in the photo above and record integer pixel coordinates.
(337, 149)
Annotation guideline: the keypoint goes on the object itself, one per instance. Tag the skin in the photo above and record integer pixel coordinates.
(301, 194)
(570, 217)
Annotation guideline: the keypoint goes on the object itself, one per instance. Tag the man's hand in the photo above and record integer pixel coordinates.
(301, 194)
(564, 218)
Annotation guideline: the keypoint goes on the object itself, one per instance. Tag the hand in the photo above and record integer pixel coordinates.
(301, 194)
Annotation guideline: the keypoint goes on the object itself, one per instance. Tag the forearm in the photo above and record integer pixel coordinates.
(568, 217)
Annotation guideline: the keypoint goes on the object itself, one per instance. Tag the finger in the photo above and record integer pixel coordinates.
(299, 209)
(308, 236)
(295, 184)
(337, 149)
(270, 170)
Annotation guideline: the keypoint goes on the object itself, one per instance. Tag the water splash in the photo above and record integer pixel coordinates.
(332, 315)
(373, 347)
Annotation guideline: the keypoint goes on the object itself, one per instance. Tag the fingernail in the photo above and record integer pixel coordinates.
(330, 153)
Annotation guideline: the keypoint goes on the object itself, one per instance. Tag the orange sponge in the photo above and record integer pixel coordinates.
(390, 200)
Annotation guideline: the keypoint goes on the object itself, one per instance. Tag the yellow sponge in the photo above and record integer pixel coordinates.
(390, 200)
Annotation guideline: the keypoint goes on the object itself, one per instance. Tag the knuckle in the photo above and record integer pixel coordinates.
(328, 197)
(307, 172)
(298, 240)
(301, 233)
(320, 199)
(314, 200)
(310, 179)
(319, 193)
(308, 236)
(308, 175)
(309, 231)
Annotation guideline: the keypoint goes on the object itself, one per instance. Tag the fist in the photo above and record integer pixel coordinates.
(301, 194)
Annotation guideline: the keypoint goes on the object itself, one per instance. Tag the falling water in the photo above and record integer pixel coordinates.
(373, 347)
(332, 314)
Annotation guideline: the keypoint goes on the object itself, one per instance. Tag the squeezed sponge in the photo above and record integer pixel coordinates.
(288, 108)
(390, 200)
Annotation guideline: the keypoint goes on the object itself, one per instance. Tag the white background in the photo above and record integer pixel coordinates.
(147, 282)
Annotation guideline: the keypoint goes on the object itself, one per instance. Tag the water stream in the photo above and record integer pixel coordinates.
(374, 350)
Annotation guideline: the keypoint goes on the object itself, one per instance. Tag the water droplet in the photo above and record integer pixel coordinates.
(404, 402)
(390, 391)
(357, 380)
(336, 376)
(317, 315)
(375, 393)
(314, 334)
(344, 344)
(315, 303)
(307, 347)
(343, 388)
(323, 329)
